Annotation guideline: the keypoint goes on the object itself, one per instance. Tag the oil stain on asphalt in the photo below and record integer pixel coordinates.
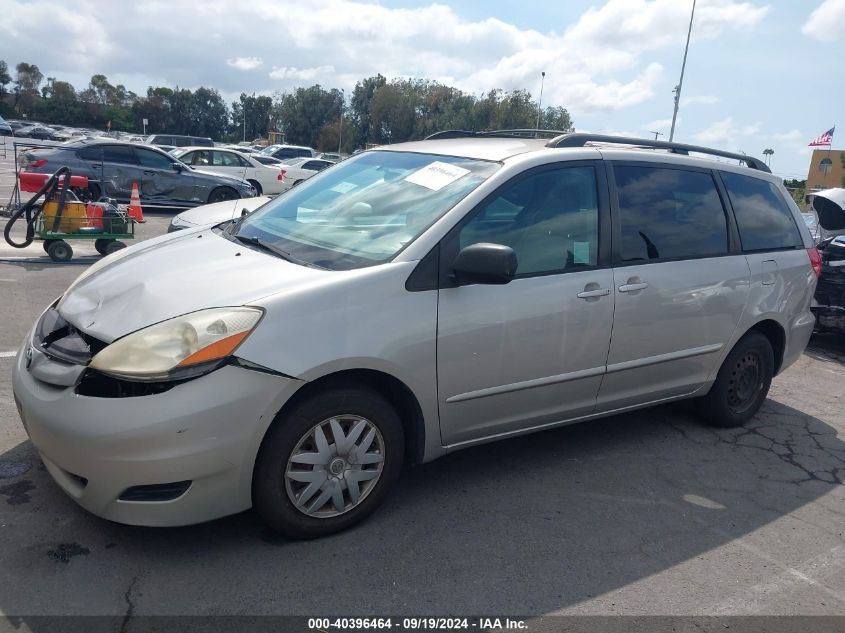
(65, 551)
(16, 493)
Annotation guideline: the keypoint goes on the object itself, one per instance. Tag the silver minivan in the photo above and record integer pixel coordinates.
(411, 301)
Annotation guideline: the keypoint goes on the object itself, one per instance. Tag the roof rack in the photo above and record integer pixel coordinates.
(579, 139)
(513, 133)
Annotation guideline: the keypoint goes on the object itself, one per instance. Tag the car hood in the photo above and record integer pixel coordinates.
(173, 275)
(221, 211)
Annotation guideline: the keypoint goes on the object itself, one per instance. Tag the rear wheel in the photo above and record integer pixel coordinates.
(742, 383)
(101, 245)
(221, 194)
(113, 247)
(328, 463)
(59, 251)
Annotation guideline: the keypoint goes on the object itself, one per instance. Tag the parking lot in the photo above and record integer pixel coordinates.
(647, 513)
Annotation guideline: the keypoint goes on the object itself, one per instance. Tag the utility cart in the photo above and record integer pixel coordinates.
(62, 217)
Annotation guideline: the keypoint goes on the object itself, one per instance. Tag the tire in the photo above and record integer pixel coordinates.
(295, 183)
(257, 186)
(742, 383)
(113, 246)
(59, 251)
(101, 245)
(90, 194)
(222, 193)
(275, 494)
(46, 245)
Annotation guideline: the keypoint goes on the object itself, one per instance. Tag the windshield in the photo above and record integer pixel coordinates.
(366, 209)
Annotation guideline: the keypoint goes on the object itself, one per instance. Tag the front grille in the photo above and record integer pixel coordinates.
(156, 492)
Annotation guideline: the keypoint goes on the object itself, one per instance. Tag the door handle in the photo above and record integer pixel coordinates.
(600, 292)
(633, 287)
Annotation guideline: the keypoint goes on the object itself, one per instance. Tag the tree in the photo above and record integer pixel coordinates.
(27, 80)
(304, 112)
(209, 114)
(796, 189)
(5, 77)
(768, 153)
(258, 111)
(360, 105)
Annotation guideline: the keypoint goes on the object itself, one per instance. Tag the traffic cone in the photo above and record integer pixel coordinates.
(135, 212)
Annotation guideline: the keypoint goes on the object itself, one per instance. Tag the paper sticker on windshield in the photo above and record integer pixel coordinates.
(343, 187)
(437, 175)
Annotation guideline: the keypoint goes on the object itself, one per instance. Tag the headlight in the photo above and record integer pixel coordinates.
(178, 223)
(178, 348)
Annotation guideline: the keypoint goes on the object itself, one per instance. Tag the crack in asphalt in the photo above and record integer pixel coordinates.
(788, 444)
(130, 606)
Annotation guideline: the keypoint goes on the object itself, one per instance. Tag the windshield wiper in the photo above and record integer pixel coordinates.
(267, 246)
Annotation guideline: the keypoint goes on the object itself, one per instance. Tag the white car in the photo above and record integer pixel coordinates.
(298, 169)
(265, 178)
(215, 213)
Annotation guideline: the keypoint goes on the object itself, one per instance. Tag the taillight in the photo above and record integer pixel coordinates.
(815, 261)
(38, 163)
(281, 175)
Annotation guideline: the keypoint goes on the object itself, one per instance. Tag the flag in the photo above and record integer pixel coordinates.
(824, 139)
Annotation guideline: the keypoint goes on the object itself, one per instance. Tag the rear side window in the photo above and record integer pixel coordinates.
(94, 153)
(762, 216)
(118, 154)
(162, 140)
(148, 158)
(669, 214)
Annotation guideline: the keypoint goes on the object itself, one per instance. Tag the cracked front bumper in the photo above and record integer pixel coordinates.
(206, 431)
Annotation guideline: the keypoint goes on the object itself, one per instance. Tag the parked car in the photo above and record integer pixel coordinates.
(16, 125)
(266, 160)
(284, 152)
(332, 158)
(217, 213)
(169, 142)
(264, 178)
(5, 128)
(297, 170)
(114, 166)
(36, 131)
(409, 302)
(829, 300)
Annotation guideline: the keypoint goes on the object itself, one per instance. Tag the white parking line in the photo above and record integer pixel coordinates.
(8, 354)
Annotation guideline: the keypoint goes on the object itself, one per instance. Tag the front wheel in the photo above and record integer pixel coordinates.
(742, 383)
(221, 194)
(328, 463)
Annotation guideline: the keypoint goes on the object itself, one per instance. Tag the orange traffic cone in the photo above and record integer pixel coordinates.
(134, 209)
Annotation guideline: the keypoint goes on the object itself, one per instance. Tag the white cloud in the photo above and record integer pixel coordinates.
(302, 74)
(660, 124)
(244, 63)
(793, 136)
(702, 99)
(600, 64)
(726, 132)
(827, 22)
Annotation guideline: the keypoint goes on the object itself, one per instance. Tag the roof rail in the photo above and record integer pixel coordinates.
(579, 139)
(450, 134)
(516, 133)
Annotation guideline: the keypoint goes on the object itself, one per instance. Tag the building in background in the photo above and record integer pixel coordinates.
(826, 170)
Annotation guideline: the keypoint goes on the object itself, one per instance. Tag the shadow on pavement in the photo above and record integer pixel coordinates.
(828, 347)
(526, 526)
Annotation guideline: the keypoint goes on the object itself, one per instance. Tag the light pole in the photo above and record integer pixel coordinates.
(677, 89)
(540, 101)
(244, 108)
(340, 130)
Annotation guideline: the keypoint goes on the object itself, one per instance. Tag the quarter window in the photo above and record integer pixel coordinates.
(549, 219)
(763, 218)
(669, 214)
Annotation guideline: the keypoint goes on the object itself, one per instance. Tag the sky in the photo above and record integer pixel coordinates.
(759, 74)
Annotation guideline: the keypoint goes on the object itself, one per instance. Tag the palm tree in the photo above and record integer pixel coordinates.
(768, 152)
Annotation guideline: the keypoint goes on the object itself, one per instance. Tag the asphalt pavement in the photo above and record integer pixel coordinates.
(647, 513)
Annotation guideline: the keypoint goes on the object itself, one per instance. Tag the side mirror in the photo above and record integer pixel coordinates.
(177, 167)
(485, 263)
